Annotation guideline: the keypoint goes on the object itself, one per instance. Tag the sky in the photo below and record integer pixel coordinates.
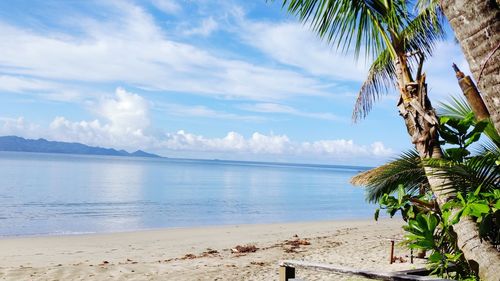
(209, 79)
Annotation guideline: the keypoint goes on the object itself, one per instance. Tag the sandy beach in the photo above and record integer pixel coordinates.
(204, 253)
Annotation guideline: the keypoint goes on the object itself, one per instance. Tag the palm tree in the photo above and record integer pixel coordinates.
(461, 176)
(399, 41)
(476, 24)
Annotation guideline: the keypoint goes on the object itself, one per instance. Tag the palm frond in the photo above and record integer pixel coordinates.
(384, 28)
(421, 33)
(380, 80)
(432, 7)
(347, 22)
(407, 169)
(418, 36)
(492, 133)
(456, 107)
(467, 176)
(488, 146)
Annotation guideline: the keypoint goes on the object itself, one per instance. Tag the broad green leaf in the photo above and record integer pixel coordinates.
(449, 137)
(478, 128)
(444, 119)
(401, 193)
(459, 196)
(457, 217)
(435, 257)
(478, 189)
(477, 209)
(466, 210)
(457, 153)
(473, 138)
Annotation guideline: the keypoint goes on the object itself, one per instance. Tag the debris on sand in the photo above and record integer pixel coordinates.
(188, 257)
(244, 249)
(290, 246)
(298, 242)
(209, 252)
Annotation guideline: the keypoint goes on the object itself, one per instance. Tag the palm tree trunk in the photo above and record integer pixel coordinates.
(476, 24)
(421, 123)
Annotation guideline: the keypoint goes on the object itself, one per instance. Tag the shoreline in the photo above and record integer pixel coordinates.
(194, 227)
(201, 253)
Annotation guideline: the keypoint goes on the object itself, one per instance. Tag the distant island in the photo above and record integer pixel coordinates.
(18, 144)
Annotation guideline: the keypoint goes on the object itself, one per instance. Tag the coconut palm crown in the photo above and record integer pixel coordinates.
(385, 29)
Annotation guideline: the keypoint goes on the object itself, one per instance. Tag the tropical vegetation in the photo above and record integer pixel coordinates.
(473, 176)
(397, 36)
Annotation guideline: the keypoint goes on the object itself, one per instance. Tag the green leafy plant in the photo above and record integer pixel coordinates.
(473, 176)
(429, 229)
(461, 132)
(484, 207)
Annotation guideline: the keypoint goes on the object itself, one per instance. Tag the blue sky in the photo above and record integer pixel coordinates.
(209, 79)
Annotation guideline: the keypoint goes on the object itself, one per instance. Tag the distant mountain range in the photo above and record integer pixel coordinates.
(14, 143)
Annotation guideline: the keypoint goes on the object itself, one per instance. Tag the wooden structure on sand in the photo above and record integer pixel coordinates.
(287, 272)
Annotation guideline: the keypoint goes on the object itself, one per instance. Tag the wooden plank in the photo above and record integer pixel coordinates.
(287, 273)
(389, 276)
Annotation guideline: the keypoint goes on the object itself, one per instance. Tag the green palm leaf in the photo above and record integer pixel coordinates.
(380, 80)
(480, 170)
(383, 28)
(417, 37)
(456, 107)
(407, 170)
(345, 22)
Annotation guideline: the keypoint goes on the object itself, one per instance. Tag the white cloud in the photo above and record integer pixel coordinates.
(10, 83)
(272, 144)
(130, 47)
(167, 6)
(202, 111)
(232, 146)
(104, 134)
(46, 89)
(295, 45)
(18, 127)
(206, 28)
(285, 109)
(127, 112)
(122, 122)
(232, 142)
(379, 149)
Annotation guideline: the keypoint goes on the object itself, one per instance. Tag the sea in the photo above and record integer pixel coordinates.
(61, 194)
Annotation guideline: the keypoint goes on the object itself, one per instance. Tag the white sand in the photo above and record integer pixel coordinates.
(160, 254)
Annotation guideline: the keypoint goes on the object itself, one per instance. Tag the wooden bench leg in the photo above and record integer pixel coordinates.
(286, 273)
(392, 252)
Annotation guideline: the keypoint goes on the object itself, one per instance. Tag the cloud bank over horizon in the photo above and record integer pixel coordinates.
(123, 122)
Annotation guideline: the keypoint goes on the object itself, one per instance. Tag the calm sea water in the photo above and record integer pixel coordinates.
(65, 194)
